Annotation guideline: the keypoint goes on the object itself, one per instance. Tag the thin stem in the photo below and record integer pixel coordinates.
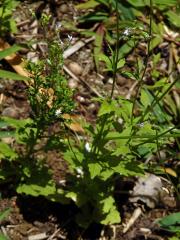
(114, 65)
(116, 54)
(146, 61)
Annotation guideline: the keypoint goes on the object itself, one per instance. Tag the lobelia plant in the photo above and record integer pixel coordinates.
(125, 133)
(49, 98)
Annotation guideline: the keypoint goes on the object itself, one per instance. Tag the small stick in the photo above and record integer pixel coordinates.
(128, 96)
(78, 45)
(82, 80)
(137, 212)
(55, 233)
(39, 236)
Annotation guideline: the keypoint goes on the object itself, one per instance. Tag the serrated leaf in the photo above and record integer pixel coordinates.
(106, 107)
(36, 190)
(6, 151)
(109, 211)
(122, 150)
(94, 169)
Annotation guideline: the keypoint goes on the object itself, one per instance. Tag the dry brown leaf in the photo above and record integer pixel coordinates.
(14, 60)
(74, 125)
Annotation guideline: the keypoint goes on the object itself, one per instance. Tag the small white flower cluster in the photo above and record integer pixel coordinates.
(70, 38)
(58, 26)
(58, 112)
(127, 32)
(80, 172)
(87, 147)
(140, 125)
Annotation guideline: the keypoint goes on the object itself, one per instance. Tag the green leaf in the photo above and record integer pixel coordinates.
(107, 60)
(173, 18)
(40, 183)
(4, 214)
(122, 150)
(165, 2)
(17, 123)
(3, 237)
(98, 45)
(107, 107)
(155, 42)
(12, 76)
(94, 169)
(121, 63)
(87, 5)
(126, 48)
(145, 98)
(36, 190)
(171, 222)
(6, 151)
(5, 134)
(9, 51)
(110, 214)
(139, 3)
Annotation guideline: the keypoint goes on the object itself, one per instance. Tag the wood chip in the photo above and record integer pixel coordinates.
(39, 236)
(137, 212)
(78, 45)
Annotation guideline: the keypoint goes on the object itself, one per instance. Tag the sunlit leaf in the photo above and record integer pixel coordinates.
(12, 76)
(9, 51)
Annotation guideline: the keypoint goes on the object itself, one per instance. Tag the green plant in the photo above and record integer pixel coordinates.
(126, 132)
(7, 23)
(119, 139)
(171, 223)
(131, 15)
(49, 98)
(3, 216)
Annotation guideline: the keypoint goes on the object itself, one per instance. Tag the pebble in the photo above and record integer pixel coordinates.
(81, 99)
(75, 68)
(72, 83)
(63, 8)
(10, 112)
(92, 106)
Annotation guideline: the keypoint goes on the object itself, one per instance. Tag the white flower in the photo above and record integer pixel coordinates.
(87, 147)
(58, 112)
(80, 172)
(127, 31)
(140, 125)
(70, 38)
(58, 26)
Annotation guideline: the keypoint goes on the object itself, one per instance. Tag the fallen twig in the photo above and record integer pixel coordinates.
(137, 212)
(66, 69)
(78, 45)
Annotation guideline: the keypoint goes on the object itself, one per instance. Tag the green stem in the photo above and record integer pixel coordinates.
(146, 62)
(116, 54)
